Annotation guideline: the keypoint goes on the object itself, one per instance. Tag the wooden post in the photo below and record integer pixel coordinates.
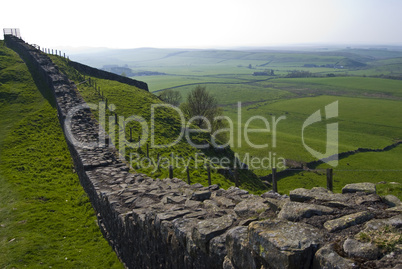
(188, 175)
(147, 151)
(329, 179)
(236, 176)
(209, 175)
(170, 171)
(274, 183)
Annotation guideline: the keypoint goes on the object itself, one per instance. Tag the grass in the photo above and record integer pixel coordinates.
(131, 101)
(46, 219)
(369, 107)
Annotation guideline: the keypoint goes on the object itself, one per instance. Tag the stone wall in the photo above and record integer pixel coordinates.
(167, 223)
(87, 70)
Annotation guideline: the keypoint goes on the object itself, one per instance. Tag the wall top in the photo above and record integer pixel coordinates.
(12, 31)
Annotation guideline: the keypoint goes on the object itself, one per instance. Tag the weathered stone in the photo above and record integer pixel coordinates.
(295, 211)
(192, 203)
(302, 195)
(213, 187)
(347, 221)
(174, 200)
(236, 191)
(171, 215)
(224, 202)
(217, 249)
(273, 195)
(143, 202)
(251, 207)
(199, 214)
(196, 186)
(320, 194)
(205, 230)
(284, 244)
(182, 228)
(377, 224)
(370, 198)
(201, 195)
(212, 207)
(391, 200)
(239, 252)
(356, 249)
(275, 204)
(327, 258)
(227, 264)
(395, 209)
(360, 187)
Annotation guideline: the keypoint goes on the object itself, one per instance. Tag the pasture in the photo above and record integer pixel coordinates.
(369, 103)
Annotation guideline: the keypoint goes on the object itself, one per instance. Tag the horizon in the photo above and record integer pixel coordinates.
(211, 24)
(82, 50)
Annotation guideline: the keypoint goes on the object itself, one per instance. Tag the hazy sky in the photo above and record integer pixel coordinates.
(206, 23)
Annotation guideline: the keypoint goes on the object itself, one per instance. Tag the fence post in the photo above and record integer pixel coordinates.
(236, 176)
(209, 174)
(329, 179)
(188, 175)
(274, 183)
(170, 171)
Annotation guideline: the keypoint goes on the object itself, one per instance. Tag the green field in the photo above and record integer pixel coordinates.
(358, 78)
(131, 101)
(46, 219)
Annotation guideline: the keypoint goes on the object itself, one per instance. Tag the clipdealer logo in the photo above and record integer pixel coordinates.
(252, 162)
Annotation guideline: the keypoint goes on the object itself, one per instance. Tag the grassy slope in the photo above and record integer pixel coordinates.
(45, 216)
(131, 101)
(368, 115)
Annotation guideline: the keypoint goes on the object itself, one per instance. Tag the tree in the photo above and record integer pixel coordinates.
(200, 103)
(171, 97)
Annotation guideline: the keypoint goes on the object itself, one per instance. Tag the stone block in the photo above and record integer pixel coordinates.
(365, 187)
(284, 244)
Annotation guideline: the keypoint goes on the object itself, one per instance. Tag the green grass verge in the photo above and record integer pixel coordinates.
(46, 219)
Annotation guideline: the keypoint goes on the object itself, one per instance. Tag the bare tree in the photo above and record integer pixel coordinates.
(200, 103)
(171, 97)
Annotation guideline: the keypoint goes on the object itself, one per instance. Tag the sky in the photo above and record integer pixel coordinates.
(203, 24)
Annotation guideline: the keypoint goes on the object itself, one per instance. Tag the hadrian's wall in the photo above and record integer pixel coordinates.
(167, 223)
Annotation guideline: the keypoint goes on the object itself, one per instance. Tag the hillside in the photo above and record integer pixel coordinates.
(368, 89)
(46, 219)
(130, 101)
